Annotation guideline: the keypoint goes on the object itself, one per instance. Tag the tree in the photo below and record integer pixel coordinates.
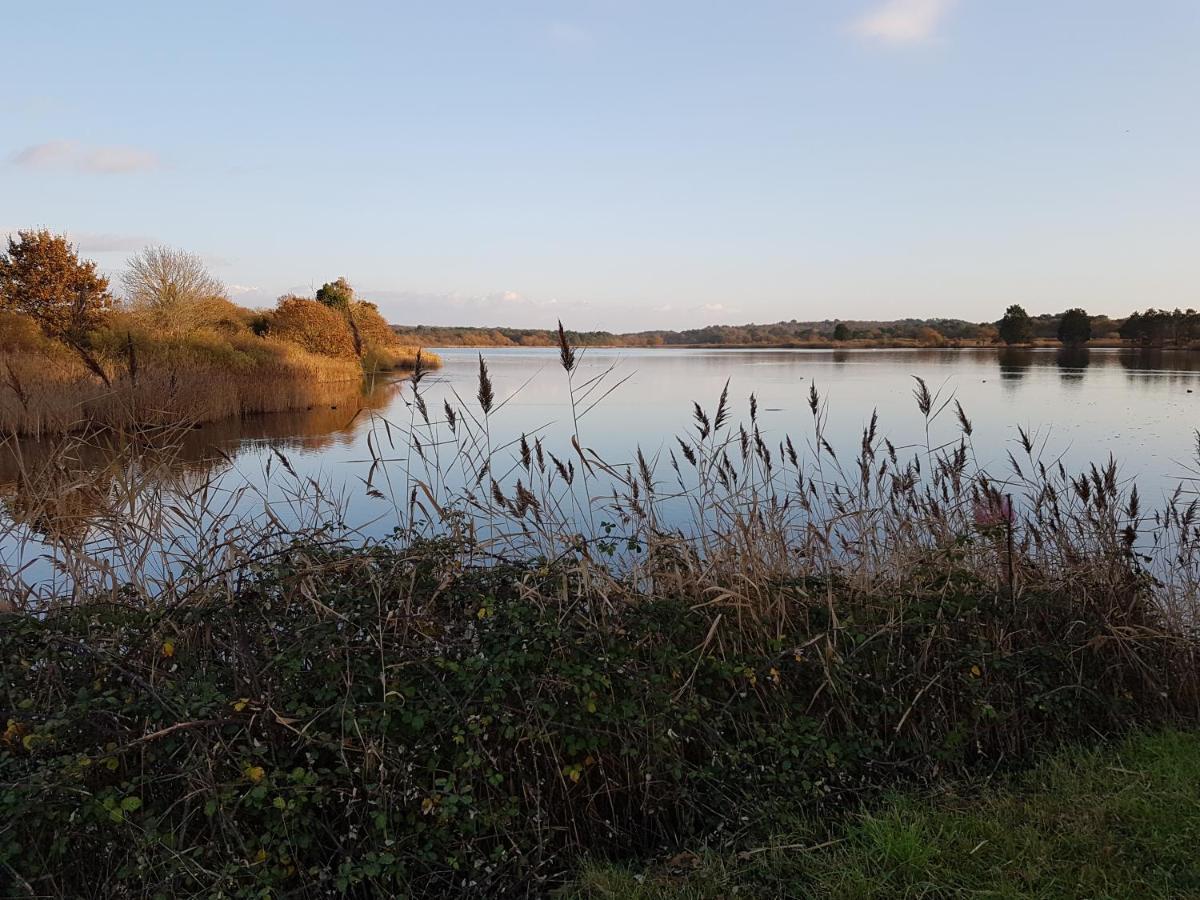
(1159, 328)
(841, 332)
(1075, 327)
(173, 289)
(1015, 327)
(336, 294)
(43, 277)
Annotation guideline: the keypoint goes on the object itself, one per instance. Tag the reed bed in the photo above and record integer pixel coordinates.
(162, 381)
(557, 656)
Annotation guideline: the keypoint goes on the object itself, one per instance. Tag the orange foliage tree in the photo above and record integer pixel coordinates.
(372, 326)
(314, 326)
(43, 277)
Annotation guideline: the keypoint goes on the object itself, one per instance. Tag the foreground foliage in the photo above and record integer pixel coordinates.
(387, 720)
(1113, 823)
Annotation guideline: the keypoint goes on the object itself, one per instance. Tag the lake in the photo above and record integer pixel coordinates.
(1080, 406)
(1085, 405)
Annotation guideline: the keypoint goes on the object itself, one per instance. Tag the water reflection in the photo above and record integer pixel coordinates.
(1014, 362)
(56, 486)
(1072, 362)
(1134, 403)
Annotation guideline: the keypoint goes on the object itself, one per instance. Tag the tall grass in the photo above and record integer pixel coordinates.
(556, 653)
(163, 381)
(130, 373)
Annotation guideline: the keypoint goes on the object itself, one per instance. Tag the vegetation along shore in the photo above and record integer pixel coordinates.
(564, 674)
(174, 348)
(1153, 329)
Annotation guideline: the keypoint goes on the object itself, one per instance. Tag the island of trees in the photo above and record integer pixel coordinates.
(172, 347)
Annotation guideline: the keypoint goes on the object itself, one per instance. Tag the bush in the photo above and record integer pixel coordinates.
(381, 720)
(314, 326)
(20, 334)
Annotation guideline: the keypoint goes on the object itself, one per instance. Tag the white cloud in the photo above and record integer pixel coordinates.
(76, 157)
(903, 21)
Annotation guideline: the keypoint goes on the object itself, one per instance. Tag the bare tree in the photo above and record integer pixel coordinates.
(172, 289)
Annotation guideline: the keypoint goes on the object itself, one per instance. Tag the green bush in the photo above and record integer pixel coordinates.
(381, 720)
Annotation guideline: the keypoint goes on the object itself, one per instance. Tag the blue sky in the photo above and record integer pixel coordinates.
(624, 164)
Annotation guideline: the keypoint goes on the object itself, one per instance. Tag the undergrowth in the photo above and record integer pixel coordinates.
(383, 720)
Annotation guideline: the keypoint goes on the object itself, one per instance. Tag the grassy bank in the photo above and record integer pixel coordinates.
(1113, 822)
(174, 350)
(128, 375)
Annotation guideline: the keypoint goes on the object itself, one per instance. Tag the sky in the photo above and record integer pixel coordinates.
(623, 164)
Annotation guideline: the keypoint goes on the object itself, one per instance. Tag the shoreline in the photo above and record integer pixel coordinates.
(1103, 344)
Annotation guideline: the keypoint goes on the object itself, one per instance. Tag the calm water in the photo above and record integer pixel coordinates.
(1135, 405)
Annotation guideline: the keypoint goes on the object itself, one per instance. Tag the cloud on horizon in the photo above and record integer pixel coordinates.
(73, 156)
(901, 22)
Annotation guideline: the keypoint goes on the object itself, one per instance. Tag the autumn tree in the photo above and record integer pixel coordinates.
(43, 277)
(372, 326)
(1075, 327)
(336, 294)
(172, 289)
(1016, 326)
(314, 326)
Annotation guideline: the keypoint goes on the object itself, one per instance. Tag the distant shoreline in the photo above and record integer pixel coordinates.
(1100, 344)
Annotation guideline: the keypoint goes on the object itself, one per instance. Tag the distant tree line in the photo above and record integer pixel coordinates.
(1160, 328)
(1074, 327)
(923, 332)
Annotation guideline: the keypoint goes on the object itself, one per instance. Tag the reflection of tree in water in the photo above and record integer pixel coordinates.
(58, 486)
(54, 496)
(1072, 362)
(1014, 362)
(1149, 365)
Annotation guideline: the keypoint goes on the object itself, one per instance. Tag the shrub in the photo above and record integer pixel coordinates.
(375, 330)
(381, 720)
(930, 337)
(314, 326)
(20, 334)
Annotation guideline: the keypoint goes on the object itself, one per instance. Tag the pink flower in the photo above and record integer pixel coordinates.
(993, 511)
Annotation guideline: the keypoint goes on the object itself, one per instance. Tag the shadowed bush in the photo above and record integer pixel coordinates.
(384, 719)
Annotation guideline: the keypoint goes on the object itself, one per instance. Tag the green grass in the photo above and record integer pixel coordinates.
(1122, 821)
